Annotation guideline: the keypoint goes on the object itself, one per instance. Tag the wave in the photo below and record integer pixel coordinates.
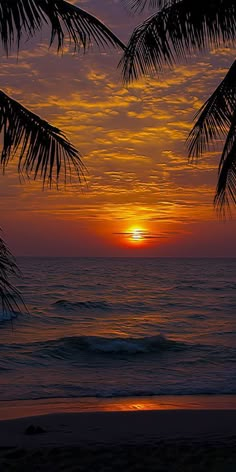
(103, 305)
(118, 345)
(87, 305)
(74, 348)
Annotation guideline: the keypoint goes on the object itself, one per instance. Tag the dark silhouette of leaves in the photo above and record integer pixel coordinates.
(226, 187)
(140, 5)
(10, 297)
(214, 117)
(178, 29)
(43, 149)
(217, 119)
(18, 17)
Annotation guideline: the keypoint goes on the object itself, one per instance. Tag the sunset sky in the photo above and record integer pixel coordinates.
(133, 145)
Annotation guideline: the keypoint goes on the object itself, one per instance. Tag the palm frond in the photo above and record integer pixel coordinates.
(64, 19)
(177, 31)
(140, 5)
(43, 149)
(215, 116)
(226, 187)
(10, 297)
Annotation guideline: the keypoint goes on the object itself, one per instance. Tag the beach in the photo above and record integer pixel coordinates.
(164, 440)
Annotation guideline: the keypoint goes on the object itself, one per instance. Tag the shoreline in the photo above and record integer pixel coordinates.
(15, 409)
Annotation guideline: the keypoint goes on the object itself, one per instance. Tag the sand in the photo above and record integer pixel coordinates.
(174, 440)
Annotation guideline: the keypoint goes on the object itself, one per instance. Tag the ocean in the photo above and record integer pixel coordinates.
(119, 328)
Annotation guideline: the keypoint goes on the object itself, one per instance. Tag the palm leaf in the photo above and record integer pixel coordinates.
(140, 5)
(226, 187)
(177, 31)
(215, 116)
(43, 149)
(63, 18)
(10, 297)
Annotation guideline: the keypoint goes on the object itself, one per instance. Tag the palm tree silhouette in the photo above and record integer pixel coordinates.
(41, 149)
(177, 30)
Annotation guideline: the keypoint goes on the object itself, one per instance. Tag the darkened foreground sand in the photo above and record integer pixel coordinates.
(174, 440)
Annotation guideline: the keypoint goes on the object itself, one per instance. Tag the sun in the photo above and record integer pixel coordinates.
(137, 235)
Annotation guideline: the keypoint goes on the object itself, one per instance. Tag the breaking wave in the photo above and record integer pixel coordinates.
(119, 345)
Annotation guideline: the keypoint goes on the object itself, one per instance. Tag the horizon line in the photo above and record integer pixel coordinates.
(123, 257)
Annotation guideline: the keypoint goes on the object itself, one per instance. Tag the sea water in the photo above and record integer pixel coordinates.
(121, 327)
